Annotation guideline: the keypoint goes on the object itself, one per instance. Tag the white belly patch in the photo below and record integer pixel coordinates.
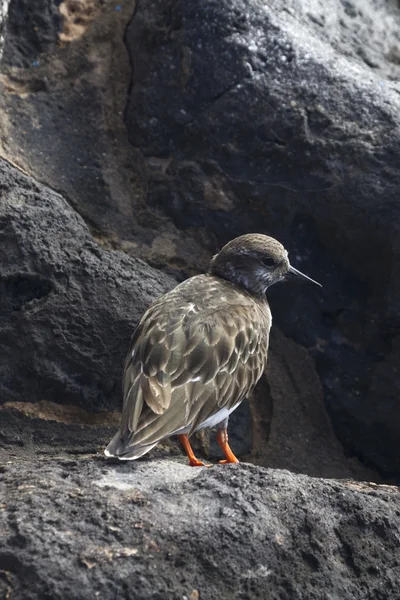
(221, 415)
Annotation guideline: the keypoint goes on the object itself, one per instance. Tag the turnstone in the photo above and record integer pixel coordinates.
(200, 349)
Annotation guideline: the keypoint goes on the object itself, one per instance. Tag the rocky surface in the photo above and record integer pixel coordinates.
(32, 28)
(87, 528)
(67, 306)
(61, 120)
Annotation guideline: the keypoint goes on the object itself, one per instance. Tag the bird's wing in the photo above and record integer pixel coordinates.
(182, 368)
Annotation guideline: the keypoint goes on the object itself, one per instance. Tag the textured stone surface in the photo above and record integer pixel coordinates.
(83, 527)
(61, 120)
(3, 23)
(32, 28)
(67, 307)
(283, 117)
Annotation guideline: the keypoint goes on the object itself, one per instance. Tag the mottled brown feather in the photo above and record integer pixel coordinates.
(199, 350)
(194, 352)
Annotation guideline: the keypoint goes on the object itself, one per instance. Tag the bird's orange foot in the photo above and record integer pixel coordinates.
(194, 462)
(222, 439)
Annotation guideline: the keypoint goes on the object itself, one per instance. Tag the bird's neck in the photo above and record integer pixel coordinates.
(241, 277)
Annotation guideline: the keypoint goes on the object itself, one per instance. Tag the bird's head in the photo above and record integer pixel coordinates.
(255, 262)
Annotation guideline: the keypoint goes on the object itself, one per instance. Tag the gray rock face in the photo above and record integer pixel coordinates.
(158, 529)
(32, 28)
(283, 117)
(67, 307)
(3, 23)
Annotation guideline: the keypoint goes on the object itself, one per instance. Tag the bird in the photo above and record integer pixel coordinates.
(200, 349)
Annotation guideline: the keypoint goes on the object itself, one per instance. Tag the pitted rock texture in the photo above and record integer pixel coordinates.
(61, 120)
(32, 28)
(84, 527)
(67, 306)
(283, 117)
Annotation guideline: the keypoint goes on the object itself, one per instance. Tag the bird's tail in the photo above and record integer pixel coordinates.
(125, 450)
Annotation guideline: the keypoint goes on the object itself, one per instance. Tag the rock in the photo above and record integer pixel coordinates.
(3, 24)
(74, 96)
(84, 527)
(283, 117)
(32, 28)
(292, 429)
(67, 306)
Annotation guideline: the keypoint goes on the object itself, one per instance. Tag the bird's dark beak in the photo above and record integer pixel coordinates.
(299, 276)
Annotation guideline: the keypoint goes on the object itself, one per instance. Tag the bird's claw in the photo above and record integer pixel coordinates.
(198, 463)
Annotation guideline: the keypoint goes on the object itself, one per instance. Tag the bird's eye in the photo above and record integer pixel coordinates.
(269, 262)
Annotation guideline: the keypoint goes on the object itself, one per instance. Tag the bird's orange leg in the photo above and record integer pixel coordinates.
(193, 461)
(222, 439)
